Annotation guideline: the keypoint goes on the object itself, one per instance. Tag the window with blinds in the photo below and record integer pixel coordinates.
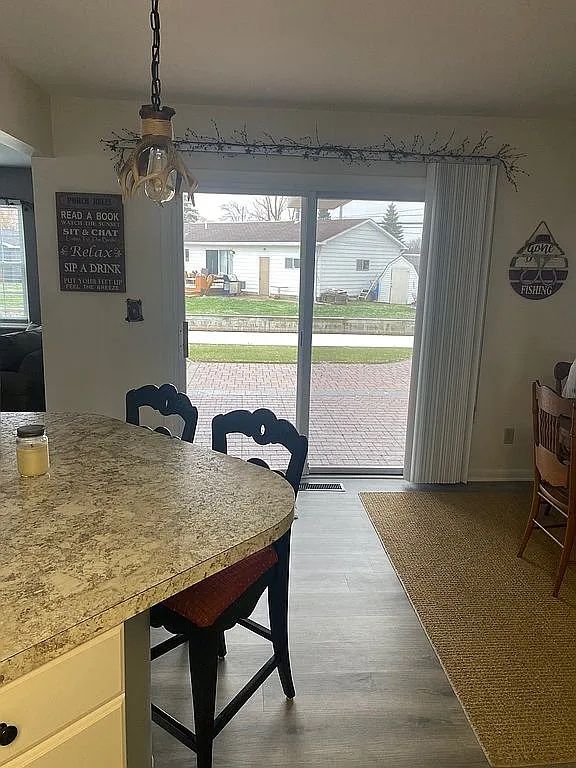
(13, 286)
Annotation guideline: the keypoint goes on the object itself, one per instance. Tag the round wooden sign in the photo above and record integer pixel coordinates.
(540, 267)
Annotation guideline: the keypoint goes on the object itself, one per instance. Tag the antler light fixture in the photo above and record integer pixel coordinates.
(155, 164)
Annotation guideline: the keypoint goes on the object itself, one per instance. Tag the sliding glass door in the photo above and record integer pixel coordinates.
(305, 305)
(365, 286)
(242, 267)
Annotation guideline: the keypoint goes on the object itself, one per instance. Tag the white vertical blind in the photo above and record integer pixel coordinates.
(452, 296)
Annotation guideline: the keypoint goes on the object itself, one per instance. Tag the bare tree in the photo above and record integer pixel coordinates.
(234, 211)
(414, 245)
(269, 208)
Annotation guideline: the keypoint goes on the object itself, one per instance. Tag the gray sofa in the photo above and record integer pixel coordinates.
(22, 371)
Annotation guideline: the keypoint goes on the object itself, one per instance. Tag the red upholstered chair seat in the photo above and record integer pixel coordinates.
(204, 602)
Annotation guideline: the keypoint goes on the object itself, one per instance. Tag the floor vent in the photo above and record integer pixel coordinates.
(321, 487)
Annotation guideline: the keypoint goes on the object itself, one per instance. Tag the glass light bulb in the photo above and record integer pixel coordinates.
(154, 188)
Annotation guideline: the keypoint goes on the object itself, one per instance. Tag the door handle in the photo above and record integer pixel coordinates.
(185, 339)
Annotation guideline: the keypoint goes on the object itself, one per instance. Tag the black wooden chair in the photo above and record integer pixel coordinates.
(203, 612)
(169, 402)
(166, 400)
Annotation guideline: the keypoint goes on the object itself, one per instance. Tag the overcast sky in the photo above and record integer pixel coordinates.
(410, 214)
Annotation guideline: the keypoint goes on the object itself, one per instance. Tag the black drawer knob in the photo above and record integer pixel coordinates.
(7, 734)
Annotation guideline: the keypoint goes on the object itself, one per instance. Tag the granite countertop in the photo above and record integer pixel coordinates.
(125, 518)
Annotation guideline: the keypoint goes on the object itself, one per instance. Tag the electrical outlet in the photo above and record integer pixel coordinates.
(508, 435)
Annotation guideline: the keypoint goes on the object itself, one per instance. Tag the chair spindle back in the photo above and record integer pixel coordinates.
(554, 435)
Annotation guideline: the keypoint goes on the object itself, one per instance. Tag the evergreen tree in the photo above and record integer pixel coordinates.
(191, 215)
(323, 214)
(391, 223)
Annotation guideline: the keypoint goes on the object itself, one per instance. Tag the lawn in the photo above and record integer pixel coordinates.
(221, 305)
(239, 353)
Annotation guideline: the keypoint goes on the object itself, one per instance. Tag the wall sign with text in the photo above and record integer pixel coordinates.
(540, 267)
(91, 242)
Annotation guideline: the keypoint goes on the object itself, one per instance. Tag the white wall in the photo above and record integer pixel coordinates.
(336, 261)
(25, 113)
(522, 338)
(92, 356)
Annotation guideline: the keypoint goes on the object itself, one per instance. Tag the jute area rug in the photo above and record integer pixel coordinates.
(507, 646)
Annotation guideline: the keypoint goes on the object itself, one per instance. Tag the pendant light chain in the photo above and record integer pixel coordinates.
(155, 166)
(156, 86)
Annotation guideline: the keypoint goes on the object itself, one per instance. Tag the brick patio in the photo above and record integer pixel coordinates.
(358, 412)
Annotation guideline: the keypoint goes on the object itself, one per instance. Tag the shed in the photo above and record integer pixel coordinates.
(398, 283)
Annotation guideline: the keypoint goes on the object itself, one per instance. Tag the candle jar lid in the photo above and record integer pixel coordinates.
(31, 430)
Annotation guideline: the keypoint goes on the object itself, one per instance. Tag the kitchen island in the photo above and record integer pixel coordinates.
(125, 518)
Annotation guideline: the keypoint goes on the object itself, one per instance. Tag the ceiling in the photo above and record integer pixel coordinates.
(515, 57)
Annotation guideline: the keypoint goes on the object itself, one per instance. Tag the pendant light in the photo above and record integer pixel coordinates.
(155, 165)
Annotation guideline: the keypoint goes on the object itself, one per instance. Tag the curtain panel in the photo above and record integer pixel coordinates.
(448, 336)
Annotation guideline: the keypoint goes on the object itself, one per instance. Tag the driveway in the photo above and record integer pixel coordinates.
(358, 412)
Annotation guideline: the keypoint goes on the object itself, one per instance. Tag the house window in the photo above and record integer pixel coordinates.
(291, 263)
(362, 265)
(219, 262)
(13, 286)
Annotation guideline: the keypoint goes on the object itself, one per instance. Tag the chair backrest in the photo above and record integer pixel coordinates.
(554, 436)
(265, 429)
(166, 400)
(561, 371)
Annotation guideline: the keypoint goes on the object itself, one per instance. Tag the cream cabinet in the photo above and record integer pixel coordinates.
(69, 712)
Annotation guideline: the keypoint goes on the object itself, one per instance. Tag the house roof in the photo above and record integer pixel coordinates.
(267, 231)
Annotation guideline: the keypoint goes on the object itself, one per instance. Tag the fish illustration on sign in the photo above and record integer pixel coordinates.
(540, 267)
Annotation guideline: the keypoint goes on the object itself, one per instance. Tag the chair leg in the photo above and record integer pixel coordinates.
(203, 657)
(222, 650)
(278, 610)
(566, 552)
(534, 508)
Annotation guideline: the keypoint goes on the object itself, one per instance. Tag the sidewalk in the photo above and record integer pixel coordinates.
(291, 339)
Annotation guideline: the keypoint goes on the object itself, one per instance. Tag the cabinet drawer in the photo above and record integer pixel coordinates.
(96, 741)
(61, 692)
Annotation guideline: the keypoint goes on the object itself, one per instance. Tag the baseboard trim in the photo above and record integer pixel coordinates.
(501, 475)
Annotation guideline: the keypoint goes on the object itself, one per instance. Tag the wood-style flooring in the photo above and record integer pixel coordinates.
(369, 689)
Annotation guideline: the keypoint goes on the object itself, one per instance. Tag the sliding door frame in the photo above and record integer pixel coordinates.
(308, 223)
(310, 188)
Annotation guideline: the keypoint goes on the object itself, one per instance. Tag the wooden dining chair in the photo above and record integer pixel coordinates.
(554, 419)
(167, 401)
(203, 612)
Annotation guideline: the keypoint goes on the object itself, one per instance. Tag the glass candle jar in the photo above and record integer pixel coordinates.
(32, 450)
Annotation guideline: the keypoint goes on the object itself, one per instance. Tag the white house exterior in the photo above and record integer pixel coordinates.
(351, 255)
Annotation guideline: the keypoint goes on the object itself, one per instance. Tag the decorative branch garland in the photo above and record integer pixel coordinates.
(416, 150)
